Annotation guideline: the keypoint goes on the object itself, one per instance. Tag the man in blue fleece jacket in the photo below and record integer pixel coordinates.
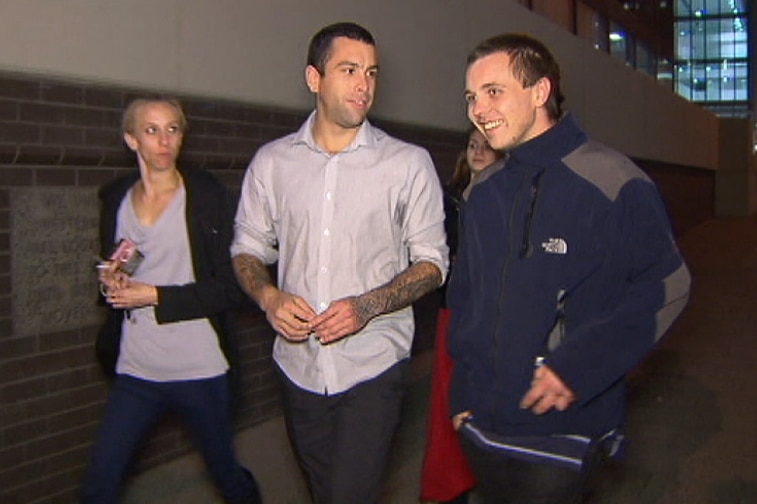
(566, 276)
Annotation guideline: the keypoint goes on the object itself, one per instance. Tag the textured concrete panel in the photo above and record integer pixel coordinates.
(53, 245)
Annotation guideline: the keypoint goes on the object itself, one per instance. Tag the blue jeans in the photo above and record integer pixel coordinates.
(133, 408)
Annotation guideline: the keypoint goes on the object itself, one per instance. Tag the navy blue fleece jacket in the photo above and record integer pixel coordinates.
(566, 254)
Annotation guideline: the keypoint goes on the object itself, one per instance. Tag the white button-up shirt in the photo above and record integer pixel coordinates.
(340, 225)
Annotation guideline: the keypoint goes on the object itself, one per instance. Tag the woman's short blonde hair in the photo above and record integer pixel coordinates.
(129, 117)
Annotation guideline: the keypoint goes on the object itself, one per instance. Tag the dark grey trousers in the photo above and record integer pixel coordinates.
(343, 441)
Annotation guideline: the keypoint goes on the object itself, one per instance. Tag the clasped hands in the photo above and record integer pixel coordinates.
(120, 291)
(547, 391)
(293, 318)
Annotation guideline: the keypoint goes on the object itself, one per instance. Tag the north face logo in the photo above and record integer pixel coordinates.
(555, 246)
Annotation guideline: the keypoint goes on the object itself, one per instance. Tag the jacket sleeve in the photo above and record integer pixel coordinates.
(210, 227)
(457, 293)
(652, 283)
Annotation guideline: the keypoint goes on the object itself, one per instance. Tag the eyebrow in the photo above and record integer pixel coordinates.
(484, 87)
(355, 65)
(157, 125)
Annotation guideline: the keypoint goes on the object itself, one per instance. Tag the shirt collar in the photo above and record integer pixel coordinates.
(367, 136)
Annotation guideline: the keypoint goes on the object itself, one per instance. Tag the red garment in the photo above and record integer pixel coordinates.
(445, 473)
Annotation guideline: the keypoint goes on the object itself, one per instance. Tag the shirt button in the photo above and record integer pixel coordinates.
(326, 232)
(324, 269)
(328, 196)
(322, 305)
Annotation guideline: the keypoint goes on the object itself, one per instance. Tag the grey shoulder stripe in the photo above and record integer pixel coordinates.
(605, 168)
(485, 174)
(677, 286)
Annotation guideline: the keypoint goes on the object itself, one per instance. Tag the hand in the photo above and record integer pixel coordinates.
(457, 420)
(110, 277)
(340, 319)
(547, 391)
(288, 314)
(126, 294)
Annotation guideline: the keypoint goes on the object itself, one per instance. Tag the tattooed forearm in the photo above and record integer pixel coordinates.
(251, 274)
(405, 288)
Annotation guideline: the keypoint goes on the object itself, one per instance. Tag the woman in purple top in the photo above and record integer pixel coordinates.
(169, 291)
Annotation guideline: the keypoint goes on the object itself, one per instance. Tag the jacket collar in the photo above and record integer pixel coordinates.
(554, 144)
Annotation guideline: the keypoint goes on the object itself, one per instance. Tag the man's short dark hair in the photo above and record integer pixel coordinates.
(319, 51)
(530, 61)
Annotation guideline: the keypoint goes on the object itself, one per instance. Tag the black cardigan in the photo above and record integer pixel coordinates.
(214, 294)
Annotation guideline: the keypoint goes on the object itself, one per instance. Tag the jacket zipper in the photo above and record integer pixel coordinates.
(501, 298)
(527, 248)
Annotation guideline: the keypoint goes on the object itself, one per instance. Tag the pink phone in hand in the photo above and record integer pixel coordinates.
(127, 256)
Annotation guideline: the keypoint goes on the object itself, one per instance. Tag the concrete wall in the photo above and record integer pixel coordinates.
(254, 50)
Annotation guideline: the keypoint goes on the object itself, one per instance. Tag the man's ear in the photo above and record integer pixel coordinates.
(541, 91)
(313, 79)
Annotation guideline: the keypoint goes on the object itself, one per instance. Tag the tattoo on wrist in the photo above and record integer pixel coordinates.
(406, 288)
(251, 274)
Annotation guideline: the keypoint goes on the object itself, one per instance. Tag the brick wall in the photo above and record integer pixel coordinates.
(65, 134)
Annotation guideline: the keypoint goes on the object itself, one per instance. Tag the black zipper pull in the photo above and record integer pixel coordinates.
(527, 248)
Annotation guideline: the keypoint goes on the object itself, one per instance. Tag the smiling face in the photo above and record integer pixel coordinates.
(507, 113)
(346, 88)
(479, 153)
(156, 135)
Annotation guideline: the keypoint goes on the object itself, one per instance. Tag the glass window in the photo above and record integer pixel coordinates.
(683, 30)
(741, 77)
(618, 42)
(698, 82)
(592, 27)
(645, 59)
(665, 73)
(713, 88)
(683, 81)
(710, 7)
(712, 53)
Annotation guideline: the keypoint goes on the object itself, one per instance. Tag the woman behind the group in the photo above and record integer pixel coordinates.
(445, 475)
(169, 291)
(471, 162)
